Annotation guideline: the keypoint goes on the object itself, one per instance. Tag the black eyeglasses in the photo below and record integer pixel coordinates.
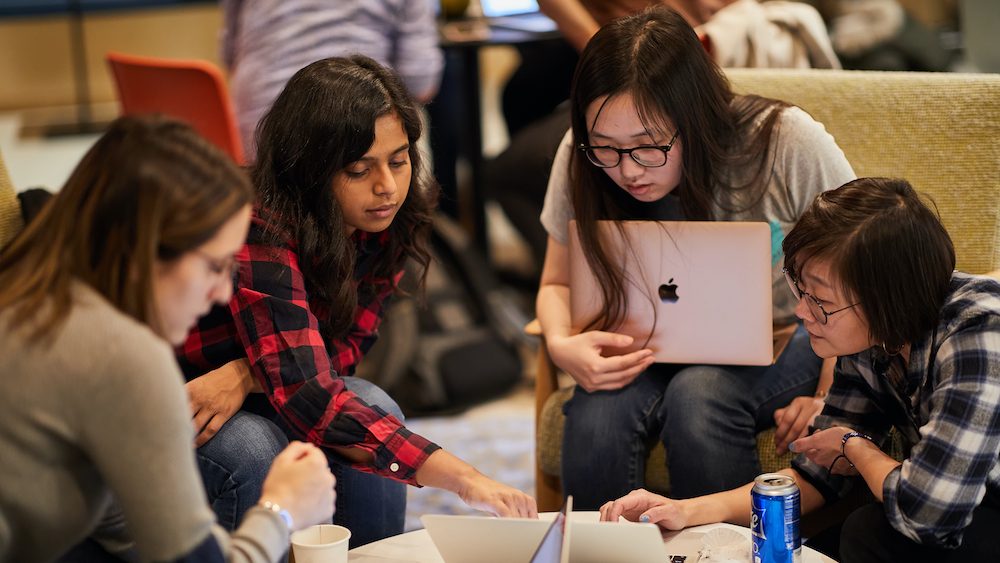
(815, 309)
(649, 156)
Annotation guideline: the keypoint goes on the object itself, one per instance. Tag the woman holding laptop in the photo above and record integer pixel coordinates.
(657, 134)
(872, 270)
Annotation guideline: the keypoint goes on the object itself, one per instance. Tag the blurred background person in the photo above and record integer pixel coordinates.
(264, 42)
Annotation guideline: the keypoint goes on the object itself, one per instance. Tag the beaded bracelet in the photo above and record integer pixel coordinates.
(848, 436)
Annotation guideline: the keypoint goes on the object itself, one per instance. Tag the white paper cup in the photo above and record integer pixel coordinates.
(325, 543)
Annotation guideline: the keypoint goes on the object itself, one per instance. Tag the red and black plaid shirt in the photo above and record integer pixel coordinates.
(272, 322)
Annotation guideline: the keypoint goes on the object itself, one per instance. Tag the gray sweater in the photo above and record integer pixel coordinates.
(100, 411)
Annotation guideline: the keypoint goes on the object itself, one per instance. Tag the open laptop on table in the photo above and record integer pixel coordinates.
(699, 292)
(480, 539)
(521, 15)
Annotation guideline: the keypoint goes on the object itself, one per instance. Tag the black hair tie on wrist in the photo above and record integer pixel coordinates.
(829, 470)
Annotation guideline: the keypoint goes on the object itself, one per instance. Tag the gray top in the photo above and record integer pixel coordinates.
(265, 42)
(96, 411)
(807, 161)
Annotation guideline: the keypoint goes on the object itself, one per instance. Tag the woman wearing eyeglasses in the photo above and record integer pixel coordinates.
(93, 415)
(919, 351)
(657, 134)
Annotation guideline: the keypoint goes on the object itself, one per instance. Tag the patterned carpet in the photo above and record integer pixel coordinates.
(497, 438)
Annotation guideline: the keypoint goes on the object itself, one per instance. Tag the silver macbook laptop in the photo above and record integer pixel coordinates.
(554, 547)
(516, 14)
(699, 292)
(480, 539)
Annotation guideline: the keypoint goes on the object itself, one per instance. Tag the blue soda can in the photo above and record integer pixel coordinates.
(774, 519)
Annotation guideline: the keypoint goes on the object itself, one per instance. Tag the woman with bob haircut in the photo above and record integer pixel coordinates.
(117, 268)
(872, 268)
(344, 202)
(657, 134)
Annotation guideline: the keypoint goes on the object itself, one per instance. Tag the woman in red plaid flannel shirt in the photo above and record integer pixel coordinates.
(343, 203)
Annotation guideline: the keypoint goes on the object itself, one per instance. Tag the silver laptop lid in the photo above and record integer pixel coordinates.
(699, 292)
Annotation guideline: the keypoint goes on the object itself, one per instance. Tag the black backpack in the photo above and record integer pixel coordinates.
(458, 344)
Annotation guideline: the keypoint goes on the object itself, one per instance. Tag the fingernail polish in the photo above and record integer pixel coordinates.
(792, 447)
(644, 518)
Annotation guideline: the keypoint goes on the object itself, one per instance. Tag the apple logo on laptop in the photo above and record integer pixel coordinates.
(668, 292)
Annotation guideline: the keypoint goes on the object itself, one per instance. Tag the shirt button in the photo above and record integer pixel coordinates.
(394, 467)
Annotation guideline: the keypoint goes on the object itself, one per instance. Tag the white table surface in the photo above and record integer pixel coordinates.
(417, 547)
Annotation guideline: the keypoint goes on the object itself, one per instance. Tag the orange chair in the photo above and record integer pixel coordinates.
(189, 90)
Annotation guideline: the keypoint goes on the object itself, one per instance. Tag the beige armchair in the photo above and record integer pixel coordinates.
(939, 131)
(10, 209)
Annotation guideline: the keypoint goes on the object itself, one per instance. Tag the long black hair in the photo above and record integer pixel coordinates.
(655, 56)
(323, 121)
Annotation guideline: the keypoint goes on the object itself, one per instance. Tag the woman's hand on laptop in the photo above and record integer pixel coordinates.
(483, 493)
(581, 356)
(445, 471)
(643, 506)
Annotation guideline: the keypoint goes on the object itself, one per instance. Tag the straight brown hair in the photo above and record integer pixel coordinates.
(149, 189)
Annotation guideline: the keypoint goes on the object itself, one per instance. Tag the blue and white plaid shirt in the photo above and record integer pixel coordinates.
(952, 385)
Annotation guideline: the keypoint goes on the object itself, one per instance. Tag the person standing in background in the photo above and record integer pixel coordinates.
(579, 20)
(264, 42)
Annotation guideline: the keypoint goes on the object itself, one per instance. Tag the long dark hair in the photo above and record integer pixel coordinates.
(657, 58)
(889, 250)
(149, 189)
(323, 121)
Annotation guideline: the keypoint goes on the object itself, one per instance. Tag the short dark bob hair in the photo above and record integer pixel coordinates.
(887, 248)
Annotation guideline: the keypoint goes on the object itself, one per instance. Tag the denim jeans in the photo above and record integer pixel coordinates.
(235, 462)
(706, 416)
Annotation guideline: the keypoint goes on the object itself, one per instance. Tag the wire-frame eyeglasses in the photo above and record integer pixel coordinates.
(815, 309)
(224, 267)
(648, 156)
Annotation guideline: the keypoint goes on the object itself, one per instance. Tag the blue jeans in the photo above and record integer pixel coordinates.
(235, 462)
(706, 416)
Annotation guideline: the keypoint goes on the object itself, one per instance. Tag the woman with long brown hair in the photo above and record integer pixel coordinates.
(93, 294)
(344, 201)
(657, 134)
